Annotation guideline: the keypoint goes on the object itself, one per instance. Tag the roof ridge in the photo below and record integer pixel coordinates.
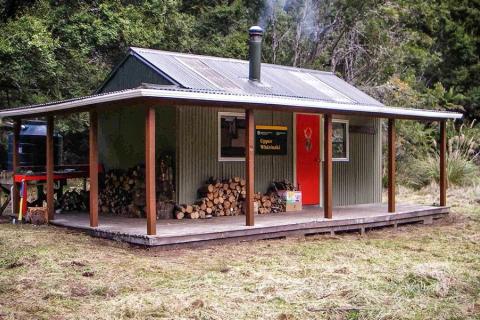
(173, 53)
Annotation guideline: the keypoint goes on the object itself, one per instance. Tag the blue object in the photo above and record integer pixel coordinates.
(32, 145)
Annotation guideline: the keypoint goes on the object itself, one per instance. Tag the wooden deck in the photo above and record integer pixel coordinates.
(308, 221)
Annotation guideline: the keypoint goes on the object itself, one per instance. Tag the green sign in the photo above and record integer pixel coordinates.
(271, 140)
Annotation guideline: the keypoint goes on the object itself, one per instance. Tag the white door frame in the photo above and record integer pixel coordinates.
(320, 137)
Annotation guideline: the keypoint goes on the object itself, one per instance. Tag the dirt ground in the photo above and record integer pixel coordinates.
(415, 272)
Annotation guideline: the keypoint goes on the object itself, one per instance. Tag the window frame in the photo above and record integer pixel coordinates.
(219, 136)
(347, 140)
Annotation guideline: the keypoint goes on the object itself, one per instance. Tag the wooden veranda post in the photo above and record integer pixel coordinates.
(443, 164)
(15, 163)
(150, 171)
(50, 167)
(93, 168)
(327, 167)
(250, 166)
(391, 165)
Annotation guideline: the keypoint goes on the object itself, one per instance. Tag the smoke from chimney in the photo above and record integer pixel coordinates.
(255, 53)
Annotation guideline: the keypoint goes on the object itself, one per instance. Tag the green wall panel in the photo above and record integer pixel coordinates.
(131, 74)
(360, 179)
(197, 151)
(121, 135)
(191, 133)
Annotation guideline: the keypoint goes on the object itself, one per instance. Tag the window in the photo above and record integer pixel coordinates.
(231, 136)
(340, 140)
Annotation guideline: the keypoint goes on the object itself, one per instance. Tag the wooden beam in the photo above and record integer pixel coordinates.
(93, 167)
(150, 171)
(443, 164)
(391, 164)
(250, 166)
(327, 167)
(15, 164)
(50, 167)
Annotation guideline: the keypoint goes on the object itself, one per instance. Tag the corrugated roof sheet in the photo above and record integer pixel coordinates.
(203, 80)
(231, 75)
(199, 97)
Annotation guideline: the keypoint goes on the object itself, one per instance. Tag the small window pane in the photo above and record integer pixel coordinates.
(232, 136)
(339, 141)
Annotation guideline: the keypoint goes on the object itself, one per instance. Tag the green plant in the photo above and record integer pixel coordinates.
(462, 160)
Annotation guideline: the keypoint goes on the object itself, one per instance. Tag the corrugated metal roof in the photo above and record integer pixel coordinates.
(204, 80)
(231, 75)
(205, 97)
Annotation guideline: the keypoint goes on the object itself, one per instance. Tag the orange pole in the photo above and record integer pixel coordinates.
(15, 164)
(250, 166)
(93, 166)
(150, 171)
(50, 168)
(391, 165)
(443, 164)
(327, 167)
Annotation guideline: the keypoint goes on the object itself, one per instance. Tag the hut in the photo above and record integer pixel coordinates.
(219, 119)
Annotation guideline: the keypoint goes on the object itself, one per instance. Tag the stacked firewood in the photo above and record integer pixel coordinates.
(279, 203)
(165, 209)
(269, 203)
(74, 200)
(226, 198)
(216, 198)
(123, 191)
(165, 181)
(281, 185)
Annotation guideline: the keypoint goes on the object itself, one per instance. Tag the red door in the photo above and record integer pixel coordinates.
(308, 157)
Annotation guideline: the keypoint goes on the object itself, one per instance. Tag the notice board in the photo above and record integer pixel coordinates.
(271, 140)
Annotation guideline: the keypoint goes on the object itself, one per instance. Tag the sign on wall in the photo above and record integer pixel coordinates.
(271, 140)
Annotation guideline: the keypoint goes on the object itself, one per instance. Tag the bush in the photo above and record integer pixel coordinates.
(460, 171)
(462, 161)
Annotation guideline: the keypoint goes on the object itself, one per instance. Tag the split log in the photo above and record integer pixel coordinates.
(179, 215)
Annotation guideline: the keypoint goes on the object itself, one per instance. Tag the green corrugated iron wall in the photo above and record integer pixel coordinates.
(197, 151)
(121, 135)
(360, 179)
(191, 133)
(130, 74)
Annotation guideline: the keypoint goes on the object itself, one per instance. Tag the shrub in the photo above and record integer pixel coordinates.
(462, 161)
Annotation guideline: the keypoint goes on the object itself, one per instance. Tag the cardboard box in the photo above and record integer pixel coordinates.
(293, 200)
(293, 207)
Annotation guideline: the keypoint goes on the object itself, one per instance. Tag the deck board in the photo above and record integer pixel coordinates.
(310, 220)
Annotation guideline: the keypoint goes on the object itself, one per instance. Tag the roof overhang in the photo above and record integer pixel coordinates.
(212, 98)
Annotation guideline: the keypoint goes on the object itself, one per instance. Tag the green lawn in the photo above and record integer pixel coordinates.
(416, 272)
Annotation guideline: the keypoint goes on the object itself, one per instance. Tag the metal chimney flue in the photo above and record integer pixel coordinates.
(255, 52)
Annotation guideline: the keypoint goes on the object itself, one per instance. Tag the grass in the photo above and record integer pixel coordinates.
(416, 272)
